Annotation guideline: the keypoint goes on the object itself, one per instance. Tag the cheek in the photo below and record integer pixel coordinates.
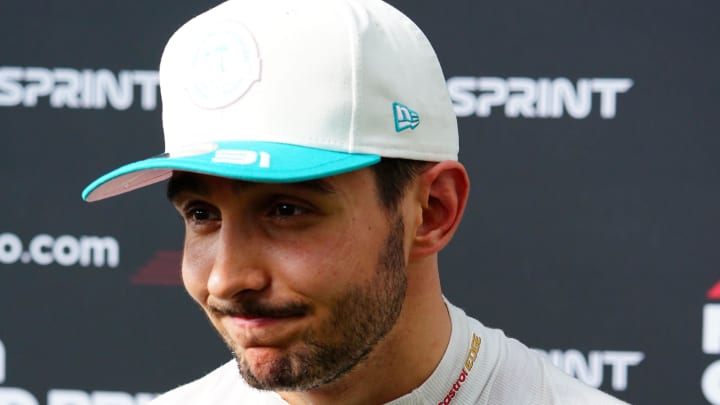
(329, 263)
(196, 266)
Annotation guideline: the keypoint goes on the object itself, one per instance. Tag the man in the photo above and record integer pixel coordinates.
(312, 153)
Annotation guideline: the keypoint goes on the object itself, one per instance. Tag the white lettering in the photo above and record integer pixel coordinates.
(100, 250)
(609, 89)
(16, 396)
(591, 371)
(242, 157)
(118, 91)
(143, 398)
(88, 86)
(40, 84)
(67, 89)
(41, 249)
(544, 98)
(535, 98)
(148, 82)
(620, 361)
(10, 248)
(65, 250)
(497, 94)
(112, 398)
(711, 329)
(71, 88)
(564, 97)
(11, 92)
(710, 383)
(523, 94)
(77, 397)
(68, 397)
(461, 91)
(264, 159)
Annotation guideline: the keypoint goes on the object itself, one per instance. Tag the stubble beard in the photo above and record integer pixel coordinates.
(360, 319)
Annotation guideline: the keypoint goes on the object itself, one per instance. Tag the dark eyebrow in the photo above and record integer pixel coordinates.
(321, 186)
(183, 181)
(190, 182)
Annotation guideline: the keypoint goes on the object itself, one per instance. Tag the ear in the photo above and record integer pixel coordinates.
(442, 193)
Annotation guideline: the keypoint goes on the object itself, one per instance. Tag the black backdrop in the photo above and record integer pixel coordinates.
(589, 129)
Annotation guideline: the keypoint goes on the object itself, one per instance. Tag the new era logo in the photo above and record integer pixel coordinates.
(405, 117)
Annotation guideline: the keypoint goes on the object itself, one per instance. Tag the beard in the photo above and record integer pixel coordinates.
(359, 319)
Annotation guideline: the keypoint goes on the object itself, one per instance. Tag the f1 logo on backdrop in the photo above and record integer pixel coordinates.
(710, 382)
(163, 269)
(535, 98)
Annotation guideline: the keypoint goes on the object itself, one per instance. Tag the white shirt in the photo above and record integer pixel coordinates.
(481, 366)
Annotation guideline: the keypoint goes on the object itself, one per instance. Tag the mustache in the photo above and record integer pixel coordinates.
(255, 309)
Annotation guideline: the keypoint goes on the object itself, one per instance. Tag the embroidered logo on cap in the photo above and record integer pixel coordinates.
(225, 65)
(242, 157)
(405, 117)
(192, 150)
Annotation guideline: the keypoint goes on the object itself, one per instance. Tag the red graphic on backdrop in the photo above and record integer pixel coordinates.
(714, 292)
(161, 269)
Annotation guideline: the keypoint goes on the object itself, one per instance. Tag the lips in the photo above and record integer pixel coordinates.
(251, 324)
(252, 309)
(246, 333)
(257, 322)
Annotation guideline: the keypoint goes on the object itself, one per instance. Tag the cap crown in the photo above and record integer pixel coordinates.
(352, 76)
(294, 90)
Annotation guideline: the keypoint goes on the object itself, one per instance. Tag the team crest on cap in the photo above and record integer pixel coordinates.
(224, 66)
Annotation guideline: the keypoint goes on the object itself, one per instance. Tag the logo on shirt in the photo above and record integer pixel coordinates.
(469, 363)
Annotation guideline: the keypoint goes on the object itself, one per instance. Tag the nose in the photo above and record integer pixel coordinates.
(239, 265)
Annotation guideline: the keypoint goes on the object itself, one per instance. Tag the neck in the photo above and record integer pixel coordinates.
(404, 359)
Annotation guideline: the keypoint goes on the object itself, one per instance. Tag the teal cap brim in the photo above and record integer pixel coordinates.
(266, 162)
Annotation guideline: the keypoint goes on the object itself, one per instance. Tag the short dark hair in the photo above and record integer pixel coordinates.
(392, 176)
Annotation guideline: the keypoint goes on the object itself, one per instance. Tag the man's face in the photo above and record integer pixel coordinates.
(301, 280)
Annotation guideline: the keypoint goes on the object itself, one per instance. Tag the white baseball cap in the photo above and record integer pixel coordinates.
(294, 90)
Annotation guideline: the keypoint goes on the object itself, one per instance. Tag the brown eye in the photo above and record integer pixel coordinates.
(287, 210)
(199, 214)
